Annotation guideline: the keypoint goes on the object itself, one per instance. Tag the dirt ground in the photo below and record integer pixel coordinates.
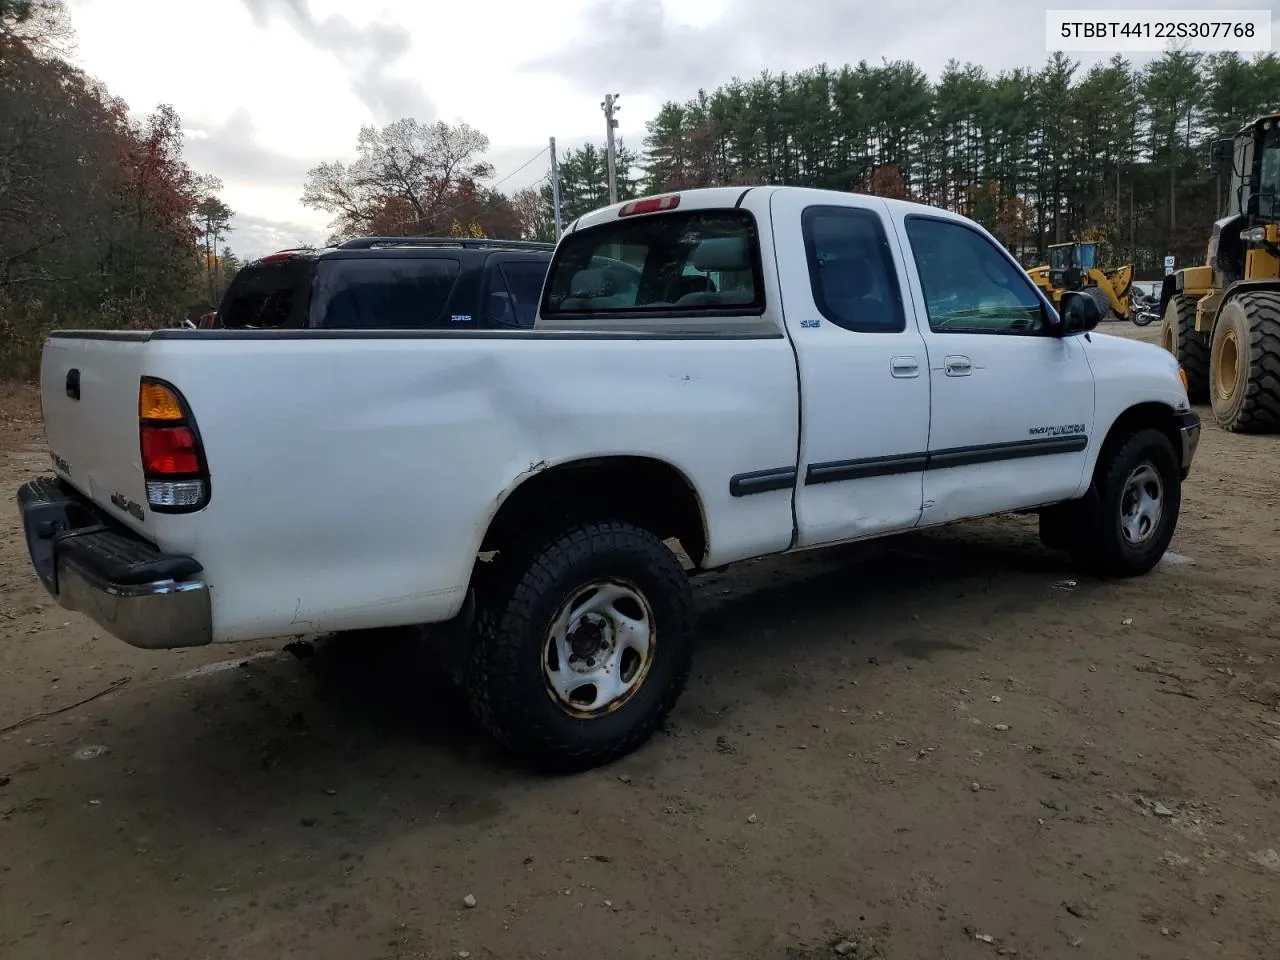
(943, 746)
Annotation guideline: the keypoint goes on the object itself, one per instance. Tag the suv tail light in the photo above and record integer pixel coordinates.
(173, 462)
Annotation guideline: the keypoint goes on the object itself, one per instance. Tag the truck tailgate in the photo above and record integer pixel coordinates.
(89, 392)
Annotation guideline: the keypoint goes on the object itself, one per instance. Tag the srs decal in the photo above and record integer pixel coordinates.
(1059, 430)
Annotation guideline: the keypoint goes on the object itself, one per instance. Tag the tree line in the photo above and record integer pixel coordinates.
(1112, 154)
(102, 222)
(1038, 156)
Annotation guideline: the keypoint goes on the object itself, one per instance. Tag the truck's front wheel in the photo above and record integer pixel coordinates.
(1139, 496)
(582, 646)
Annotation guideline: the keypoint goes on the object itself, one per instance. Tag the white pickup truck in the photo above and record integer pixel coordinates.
(745, 371)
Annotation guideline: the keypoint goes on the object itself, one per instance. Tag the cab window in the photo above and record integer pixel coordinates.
(1269, 177)
(851, 271)
(969, 285)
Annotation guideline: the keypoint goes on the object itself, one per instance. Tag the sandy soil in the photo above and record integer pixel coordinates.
(939, 746)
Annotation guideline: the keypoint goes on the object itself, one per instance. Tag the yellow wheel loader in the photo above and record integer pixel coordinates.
(1222, 319)
(1074, 266)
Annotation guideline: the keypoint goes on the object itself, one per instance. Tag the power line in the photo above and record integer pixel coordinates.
(519, 168)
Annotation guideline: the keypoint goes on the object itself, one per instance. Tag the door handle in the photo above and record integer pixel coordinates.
(73, 383)
(905, 367)
(957, 366)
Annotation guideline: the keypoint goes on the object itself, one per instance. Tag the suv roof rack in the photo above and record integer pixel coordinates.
(366, 243)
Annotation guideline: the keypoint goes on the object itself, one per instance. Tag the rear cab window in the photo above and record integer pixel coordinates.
(690, 266)
(382, 293)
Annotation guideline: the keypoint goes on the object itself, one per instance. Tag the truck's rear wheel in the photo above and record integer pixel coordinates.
(1191, 349)
(1139, 496)
(1245, 388)
(583, 644)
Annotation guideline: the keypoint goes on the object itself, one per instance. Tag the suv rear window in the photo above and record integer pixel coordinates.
(699, 262)
(382, 293)
(268, 295)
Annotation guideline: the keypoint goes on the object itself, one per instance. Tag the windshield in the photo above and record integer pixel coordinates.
(703, 261)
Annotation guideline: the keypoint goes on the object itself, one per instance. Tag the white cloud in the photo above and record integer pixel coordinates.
(268, 88)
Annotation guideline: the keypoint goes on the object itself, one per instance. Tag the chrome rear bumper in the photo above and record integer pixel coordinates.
(93, 566)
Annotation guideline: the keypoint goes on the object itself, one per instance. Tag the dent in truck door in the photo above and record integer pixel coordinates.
(864, 377)
(1012, 407)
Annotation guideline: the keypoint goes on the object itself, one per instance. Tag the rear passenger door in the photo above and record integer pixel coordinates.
(864, 377)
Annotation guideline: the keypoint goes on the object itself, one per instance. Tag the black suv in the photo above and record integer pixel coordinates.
(390, 283)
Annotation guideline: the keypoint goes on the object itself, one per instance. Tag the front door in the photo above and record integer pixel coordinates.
(864, 394)
(1012, 402)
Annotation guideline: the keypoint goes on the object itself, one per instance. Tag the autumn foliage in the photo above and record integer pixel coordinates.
(96, 209)
(411, 178)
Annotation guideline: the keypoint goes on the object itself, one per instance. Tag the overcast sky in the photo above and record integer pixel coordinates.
(268, 88)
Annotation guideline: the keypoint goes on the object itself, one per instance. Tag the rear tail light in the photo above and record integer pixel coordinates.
(173, 463)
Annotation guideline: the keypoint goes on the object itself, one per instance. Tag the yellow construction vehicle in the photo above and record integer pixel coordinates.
(1222, 319)
(1074, 266)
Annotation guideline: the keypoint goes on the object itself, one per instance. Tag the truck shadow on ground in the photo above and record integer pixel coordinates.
(364, 734)
(388, 681)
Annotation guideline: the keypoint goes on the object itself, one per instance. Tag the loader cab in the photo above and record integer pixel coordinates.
(1250, 164)
(1243, 245)
(1070, 262)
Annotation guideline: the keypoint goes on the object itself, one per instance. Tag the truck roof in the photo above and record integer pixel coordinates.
(705, 198)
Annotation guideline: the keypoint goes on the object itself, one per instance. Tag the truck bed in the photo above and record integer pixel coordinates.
(346, 465)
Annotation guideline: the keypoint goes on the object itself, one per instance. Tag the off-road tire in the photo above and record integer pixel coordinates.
(1245, 364)
(1191, 349)
(1105, 313)
(1100, 546)
(504, 678)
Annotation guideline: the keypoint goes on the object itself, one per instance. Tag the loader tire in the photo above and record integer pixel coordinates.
(1191, 349)
(1245, 363)
(1105, 313)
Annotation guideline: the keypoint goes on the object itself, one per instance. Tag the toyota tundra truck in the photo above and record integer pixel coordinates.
(741, 372)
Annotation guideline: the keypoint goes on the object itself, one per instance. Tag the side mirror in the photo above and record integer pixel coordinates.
(1221, 155)
(1080, 313)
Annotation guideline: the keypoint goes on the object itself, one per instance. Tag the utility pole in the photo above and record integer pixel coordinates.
(555, 185)
(610, 107)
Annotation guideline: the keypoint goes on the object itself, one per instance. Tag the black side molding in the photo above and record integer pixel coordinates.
(837, 471)
(762, 481)
(1015, 450)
